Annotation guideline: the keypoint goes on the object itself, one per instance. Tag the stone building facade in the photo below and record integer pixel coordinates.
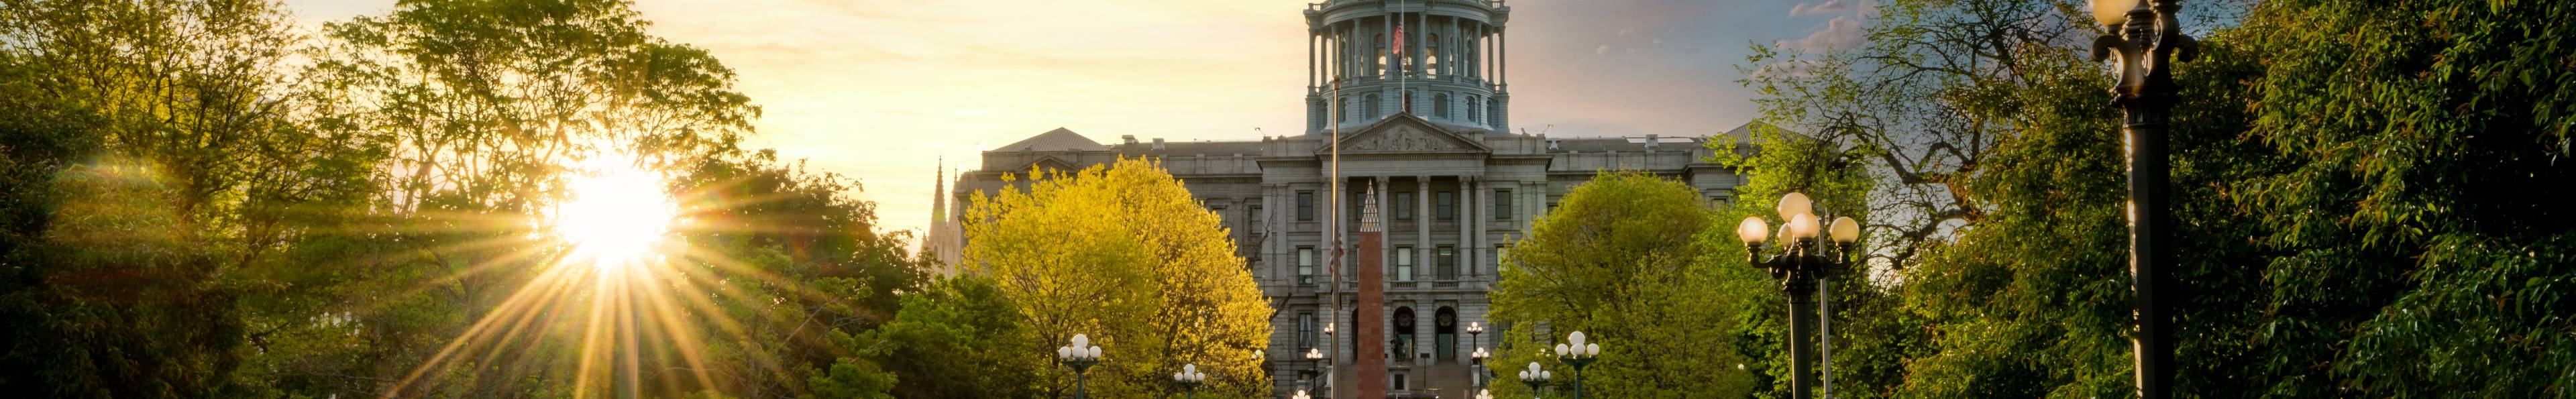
(1457, 187)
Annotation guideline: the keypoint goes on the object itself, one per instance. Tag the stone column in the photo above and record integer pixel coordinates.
(1423, 253)
(1466, 225)
(1475, 264)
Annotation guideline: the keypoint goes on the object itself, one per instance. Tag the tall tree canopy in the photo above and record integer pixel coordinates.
(188, 214)
(2346, 173)
(1122, 253)
(1620, 260)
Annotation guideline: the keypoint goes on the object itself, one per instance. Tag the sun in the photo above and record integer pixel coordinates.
(617, 213)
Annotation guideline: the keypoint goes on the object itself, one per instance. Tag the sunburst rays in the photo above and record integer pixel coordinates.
(614, 290)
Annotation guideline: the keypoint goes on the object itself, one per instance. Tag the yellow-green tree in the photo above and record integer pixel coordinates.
(1619, 261)
(1122, 253)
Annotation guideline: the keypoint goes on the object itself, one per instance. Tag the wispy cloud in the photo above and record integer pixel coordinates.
(1841, 33)
(1829, 6)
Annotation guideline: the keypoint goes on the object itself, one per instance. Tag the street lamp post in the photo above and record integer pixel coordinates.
(1476, 360)
(1801, 266)
(1479, 357)
(1313, 357)
(1535, 378)
(1327, 383)
(2147, 38)
(1189, 377)
(1081, 355)
(1578, 354)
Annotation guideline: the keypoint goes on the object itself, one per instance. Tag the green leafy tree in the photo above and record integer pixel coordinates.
(961, 338)
(2417, 256)
(1122, 253)
(158, 183)
(1620, 260)
(1975, 136)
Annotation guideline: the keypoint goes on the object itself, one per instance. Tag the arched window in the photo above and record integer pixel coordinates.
(1475, 109)
(1371, 112)
(1431, 56)
(1378, 63)
(1440, 105)
(1401, 345)
(1444, 333)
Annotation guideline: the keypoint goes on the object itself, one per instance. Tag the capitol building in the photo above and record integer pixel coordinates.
(1430, 127)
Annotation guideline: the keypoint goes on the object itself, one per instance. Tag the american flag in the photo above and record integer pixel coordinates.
(1399, 37)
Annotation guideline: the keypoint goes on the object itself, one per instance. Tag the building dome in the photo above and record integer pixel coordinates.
(1441, 60)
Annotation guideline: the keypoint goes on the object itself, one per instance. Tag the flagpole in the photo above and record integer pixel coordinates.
(1336, 234)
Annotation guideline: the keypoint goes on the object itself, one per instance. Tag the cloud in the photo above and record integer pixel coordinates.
(1841, 33)
(1828, 6)
(1603, 49)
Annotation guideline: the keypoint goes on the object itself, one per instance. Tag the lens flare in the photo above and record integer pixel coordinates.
(617, 214)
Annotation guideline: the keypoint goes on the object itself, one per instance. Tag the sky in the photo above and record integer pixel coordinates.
(880, 90)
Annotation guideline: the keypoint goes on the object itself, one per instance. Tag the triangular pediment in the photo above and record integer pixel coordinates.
(1049, 165)
(1407, 133)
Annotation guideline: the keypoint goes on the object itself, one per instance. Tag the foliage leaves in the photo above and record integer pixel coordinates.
(1122, 253)
(1619, 259)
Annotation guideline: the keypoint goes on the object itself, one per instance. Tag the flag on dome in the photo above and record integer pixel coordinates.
(1399, 37)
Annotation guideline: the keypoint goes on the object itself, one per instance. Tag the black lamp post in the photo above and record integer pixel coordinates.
(1313, 358)
(2147, 38)
(1578, 354)
(1189, 378)
(1081, 355)
(1536, 378)
(1802, 265)
(1476, 360)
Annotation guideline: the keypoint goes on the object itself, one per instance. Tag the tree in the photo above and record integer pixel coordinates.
(2416, 256)
(1620, 260)
(1122, 253)
(2368, 156)
(156, 179)
(960, 338)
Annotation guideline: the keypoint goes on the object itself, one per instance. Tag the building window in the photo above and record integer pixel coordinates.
(1357, 204)
(1403, 206)
(1475, 109)
(1305, 330)
(1305, 265)
(1305, 206)
(1444, 205)
(1502, 253)
(1259, 222)
(1502, 205)
(1447, 259)
(1403, 263)
(1371, 111)
(1716, 202)
(1342, 109)
(1431, 58)
(1350, 256)
(1440, 105)
(1378, 65)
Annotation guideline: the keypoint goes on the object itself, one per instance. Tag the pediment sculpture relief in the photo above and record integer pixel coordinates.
(1403, 139)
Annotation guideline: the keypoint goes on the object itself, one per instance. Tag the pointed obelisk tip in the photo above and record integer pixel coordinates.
(1368, 210)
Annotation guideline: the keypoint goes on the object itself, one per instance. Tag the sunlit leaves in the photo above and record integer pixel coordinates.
(1621, 260)
(1122, 252)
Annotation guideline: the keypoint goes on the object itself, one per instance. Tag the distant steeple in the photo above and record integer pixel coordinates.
(941, 242)
(939, 193)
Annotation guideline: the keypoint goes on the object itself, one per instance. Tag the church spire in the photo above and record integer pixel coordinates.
(939, 193)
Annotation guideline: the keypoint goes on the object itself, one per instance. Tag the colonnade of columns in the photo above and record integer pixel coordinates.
(1359, 48)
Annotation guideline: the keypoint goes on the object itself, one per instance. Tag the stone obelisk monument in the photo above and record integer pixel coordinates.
(1370, 308)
